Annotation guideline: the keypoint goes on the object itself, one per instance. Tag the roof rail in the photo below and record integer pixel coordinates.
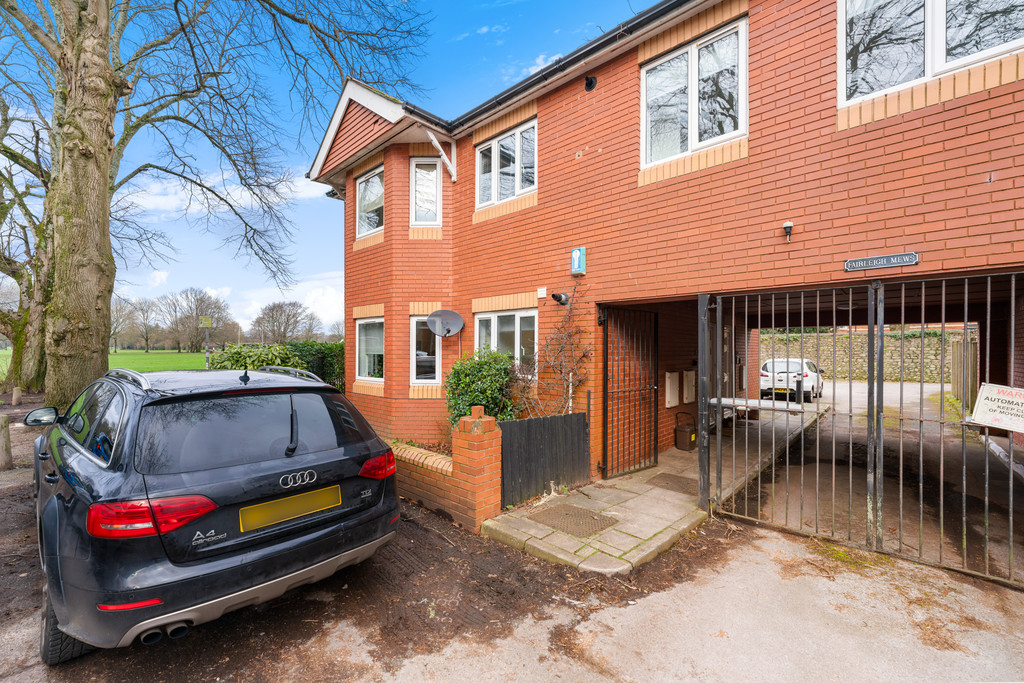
(132, 376)
(294, 372)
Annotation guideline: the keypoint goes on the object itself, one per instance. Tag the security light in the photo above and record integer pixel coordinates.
(562, 298)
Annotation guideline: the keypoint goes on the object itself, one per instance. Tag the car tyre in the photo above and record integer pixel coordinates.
(807, 396)
(55, 646)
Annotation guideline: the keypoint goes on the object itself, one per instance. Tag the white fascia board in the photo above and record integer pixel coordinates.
(354, 91)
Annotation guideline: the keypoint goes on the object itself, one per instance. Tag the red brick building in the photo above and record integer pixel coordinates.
(675, 149)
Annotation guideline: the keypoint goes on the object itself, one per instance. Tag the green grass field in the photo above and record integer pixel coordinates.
(140, 360)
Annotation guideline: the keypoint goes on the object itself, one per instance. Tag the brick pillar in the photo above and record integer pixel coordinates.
(476, 468)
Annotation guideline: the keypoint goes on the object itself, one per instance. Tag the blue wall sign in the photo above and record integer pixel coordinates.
(578, 261)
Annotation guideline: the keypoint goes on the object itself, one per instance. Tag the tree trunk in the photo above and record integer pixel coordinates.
(77, 328)
(28, 359)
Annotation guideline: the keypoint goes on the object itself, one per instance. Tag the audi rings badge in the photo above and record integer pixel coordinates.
(298, 479)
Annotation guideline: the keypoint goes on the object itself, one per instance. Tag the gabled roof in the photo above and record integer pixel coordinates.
(403, 115)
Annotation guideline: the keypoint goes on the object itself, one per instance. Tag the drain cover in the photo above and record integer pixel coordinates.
(673, 482)
(573, 520)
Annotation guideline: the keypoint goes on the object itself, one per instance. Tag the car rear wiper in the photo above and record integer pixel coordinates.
(294, 443)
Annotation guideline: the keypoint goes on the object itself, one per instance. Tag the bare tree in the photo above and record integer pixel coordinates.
(284, 321)
(336, 331)
(122, 317)
(147, 312)
(85, 80)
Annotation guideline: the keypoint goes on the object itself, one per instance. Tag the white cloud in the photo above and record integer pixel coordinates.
(461, 36)
(483, 29)
(219, 292)
(157, 278)
(542, 61)
(322, 293)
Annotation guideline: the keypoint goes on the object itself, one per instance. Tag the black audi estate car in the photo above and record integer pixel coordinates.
(166, 499)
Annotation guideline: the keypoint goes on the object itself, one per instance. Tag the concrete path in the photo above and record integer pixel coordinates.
(642, 514)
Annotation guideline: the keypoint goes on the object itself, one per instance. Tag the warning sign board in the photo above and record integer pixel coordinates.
(205, 321)
(999, 406)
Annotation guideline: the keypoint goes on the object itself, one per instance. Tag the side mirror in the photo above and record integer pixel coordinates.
(41, 417)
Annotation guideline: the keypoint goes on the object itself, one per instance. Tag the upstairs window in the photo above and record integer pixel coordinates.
(506, 166)
(370, 202)
(425, 186)
(889, 43)
(697, 96)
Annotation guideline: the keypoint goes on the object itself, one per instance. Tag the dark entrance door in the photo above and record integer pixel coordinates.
(630, 390)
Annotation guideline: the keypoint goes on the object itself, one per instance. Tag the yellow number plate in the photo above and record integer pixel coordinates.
(283, 509)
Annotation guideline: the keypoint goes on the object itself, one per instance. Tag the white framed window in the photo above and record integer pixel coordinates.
(506, 165)
(370, 349)
(888, 44)
(425, 192)
(370, 202)
(424, 353)
(696, 96)
(511, 332)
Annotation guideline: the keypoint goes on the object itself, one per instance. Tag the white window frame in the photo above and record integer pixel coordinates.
(493, 317)
(492, 144)
(364, 176)
(422, 161)
(412, 353)
(935, 64)
(739, 27)
(362, 378)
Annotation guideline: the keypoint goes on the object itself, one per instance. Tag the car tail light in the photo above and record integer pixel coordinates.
(806, 374)
(381, 467)
(173, 513)
(130, 605)
(765, 374)
(136, 518)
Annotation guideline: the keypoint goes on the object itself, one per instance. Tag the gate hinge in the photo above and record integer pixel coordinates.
(602, 317)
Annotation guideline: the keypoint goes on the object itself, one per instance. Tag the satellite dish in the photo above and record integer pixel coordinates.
(444, 323)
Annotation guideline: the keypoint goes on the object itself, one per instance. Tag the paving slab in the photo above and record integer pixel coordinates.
(605, 564)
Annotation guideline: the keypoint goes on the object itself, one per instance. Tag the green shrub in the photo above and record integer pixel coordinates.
(484, 379)
(326, 360)
(251, 357)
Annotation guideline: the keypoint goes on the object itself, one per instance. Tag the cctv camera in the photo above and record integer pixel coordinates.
(562, 298)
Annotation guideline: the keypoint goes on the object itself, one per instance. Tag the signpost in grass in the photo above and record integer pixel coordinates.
(207, 323)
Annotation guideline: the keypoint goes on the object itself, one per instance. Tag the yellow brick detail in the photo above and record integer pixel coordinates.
(425, 234)
(705, 158)
(505, 208)
(367, 164)
(422, 149)
(371, 241)
(423, 307)
(504, 122)
(371, 311)
(691, 28)
(368, 388)
(505, 302)
(426, 391)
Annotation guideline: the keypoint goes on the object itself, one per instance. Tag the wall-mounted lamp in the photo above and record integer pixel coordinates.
(561, 298)
(788, 227)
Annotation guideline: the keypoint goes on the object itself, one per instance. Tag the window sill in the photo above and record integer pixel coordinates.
(426, 391)
(418, 232)
(368, 387)
(506, 207)
(370, 240)
(984, 76)
(697, 161)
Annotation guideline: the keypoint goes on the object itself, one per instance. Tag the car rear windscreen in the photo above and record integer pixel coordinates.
(782, 366)
(206, 433)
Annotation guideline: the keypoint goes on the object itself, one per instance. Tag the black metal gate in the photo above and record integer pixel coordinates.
(852, 425)
(630, 390)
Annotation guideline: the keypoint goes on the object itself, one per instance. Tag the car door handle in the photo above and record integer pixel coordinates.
(51, 478)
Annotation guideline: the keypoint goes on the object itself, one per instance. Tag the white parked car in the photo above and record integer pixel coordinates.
(787, 375)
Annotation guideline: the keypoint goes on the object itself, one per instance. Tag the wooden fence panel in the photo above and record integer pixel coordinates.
(541, 450)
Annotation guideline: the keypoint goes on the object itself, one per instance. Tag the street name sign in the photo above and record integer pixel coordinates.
(890, 261)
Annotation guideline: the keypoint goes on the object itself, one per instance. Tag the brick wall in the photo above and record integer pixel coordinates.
(946, 180)
(465, 486)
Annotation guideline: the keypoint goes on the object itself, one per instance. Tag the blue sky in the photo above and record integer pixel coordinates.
(476, 50)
